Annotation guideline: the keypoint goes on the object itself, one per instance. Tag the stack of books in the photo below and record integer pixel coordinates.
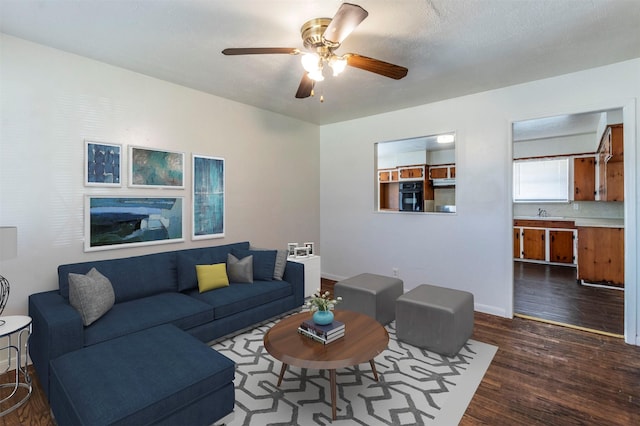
(322, 333)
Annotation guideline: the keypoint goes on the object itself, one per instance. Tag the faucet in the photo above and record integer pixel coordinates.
(542, 213)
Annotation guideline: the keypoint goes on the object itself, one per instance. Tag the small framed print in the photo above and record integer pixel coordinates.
(309, 245)
(102, 165)
(302, 252)
(152, 168)
(291, 249)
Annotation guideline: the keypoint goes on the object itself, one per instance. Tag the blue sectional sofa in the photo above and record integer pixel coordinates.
(151, 291)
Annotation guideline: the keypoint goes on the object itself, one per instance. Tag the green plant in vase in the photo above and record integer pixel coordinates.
(321, 305)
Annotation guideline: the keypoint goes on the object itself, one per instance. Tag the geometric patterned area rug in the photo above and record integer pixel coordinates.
(415, 387)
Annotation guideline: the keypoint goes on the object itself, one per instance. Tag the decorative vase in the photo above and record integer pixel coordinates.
(323, 317)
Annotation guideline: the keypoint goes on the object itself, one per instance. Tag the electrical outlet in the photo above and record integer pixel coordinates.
(395, 272)
(576, 206)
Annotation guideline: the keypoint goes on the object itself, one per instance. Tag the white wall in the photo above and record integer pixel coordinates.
(469, 250)
(51, 101)
(566, 145)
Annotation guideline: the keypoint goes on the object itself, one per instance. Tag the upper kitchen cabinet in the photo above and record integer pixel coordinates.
(584, 178)
(416, 174)
(610, 176)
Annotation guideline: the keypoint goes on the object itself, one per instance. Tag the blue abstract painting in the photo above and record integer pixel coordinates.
(208, 197)
(153, 168)
(118, 221)
(102, 164)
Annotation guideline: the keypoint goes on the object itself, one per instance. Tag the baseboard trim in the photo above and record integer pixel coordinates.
(575, 327)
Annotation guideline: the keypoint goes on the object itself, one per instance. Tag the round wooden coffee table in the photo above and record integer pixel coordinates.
(363, 340)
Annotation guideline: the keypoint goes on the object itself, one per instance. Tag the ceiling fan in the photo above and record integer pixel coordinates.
(321, 37)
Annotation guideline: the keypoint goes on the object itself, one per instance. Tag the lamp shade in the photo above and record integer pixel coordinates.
(8, 242)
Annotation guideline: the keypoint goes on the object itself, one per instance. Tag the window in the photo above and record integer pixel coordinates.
(541, 180)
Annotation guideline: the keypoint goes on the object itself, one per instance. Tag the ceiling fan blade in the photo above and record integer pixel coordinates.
(260, 50)
(347, 18)
(305, 88)
(376, 66)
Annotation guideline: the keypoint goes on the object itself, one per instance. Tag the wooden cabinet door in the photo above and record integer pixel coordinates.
(412, 173)
(438, 173)
(561, 246)
(601, 255)
(384, 176)
(533, 244)
(616, 147)
(452, 172)
(517, 253)
(394, 175)
(614, 181)
(584, 179)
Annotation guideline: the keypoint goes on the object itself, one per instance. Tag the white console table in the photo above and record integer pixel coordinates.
(311, 273)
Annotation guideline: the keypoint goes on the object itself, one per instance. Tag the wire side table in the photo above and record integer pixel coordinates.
(19, 325)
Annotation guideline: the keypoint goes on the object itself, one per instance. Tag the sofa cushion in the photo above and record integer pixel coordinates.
(156, 376)
(240, 297)
(188, 259)
(129, 317)
(211, 277)
(281, 262)
(91, 295)
(240, 270)
(264, 262)
(131, 277)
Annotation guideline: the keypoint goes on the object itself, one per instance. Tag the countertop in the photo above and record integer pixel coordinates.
(580, 221)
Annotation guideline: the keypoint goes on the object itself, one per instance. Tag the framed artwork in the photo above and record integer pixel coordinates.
(208, 197)
(102, 163)
(310, 246)
(302, 252)
(120, 222)
(150, 168)
(291, 249)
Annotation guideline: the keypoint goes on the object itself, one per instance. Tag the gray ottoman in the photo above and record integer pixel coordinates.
(435, 318)
(370, 294)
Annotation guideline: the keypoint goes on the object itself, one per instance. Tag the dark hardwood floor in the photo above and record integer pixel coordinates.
(542, 374)
(551, 293)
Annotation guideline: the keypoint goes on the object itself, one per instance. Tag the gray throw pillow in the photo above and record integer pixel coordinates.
(240, 271)
(92, 295)
(281, 263)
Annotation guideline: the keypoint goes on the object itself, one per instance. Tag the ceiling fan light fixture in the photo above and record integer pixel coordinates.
(316, 75)
(337, 64)
(310, 62)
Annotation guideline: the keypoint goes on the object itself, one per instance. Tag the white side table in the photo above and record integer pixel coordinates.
(19, 325)
(311, 273)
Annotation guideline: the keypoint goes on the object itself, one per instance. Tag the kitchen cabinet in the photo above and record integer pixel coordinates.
(388, 175)
(601, 255)
(584, 179)
(544, 241)
(533, 244)
(517, 249)
(411, 172)
(610, 178)
(561, 246)
(442, 172)
(389, 196)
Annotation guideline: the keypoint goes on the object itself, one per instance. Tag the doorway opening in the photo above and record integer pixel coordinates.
(554, 212)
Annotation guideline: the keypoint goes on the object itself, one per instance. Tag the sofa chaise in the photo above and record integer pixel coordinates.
(151, 292)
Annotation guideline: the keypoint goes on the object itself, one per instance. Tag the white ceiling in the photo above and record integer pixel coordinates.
(451, 47)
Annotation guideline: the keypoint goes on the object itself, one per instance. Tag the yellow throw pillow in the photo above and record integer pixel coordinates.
(211, 277)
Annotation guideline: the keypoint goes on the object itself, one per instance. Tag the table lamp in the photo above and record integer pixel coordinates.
(8, 250)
